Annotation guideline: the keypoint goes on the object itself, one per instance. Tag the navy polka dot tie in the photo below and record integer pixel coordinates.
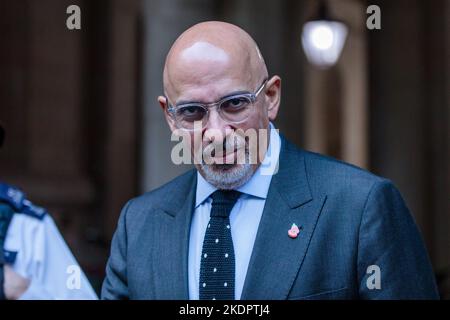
(217, 268)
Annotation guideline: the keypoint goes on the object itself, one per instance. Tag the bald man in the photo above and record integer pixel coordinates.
(257, 218)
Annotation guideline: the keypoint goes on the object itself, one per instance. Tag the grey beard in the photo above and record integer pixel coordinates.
(227, 176)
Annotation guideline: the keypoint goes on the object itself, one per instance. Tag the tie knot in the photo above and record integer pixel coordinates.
(223, 202)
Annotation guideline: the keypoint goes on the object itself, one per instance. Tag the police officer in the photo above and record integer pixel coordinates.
(35, 262)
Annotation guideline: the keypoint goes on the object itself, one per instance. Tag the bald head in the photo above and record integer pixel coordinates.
(218, 62)
(212, 52)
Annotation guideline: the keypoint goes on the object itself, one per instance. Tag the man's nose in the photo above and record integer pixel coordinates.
(216, 128)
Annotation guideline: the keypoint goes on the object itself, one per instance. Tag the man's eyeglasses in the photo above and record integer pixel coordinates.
(235, 108)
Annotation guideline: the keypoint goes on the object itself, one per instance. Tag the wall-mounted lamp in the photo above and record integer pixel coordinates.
(323, 39)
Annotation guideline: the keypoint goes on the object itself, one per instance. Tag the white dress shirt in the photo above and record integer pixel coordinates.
(244, 218)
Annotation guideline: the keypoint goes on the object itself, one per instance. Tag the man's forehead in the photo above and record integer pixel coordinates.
(209, 92)
(204, 62)
(200, 72)
(206, 81)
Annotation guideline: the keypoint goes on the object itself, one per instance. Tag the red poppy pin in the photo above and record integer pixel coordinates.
(293, 231)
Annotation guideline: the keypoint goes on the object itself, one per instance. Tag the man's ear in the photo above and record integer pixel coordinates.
(273, 96)
(170, 121)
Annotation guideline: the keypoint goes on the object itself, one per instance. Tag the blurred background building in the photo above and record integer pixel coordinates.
(85, 133)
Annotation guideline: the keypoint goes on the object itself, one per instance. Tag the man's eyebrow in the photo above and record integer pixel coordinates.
(182, 102)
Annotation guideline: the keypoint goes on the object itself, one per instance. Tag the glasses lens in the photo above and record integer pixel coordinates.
(187, 115)
(236, 108)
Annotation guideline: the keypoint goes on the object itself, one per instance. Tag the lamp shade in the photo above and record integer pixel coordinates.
(323, 41)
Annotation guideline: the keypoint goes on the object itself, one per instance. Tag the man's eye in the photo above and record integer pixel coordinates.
(191, 112)
(235, 104)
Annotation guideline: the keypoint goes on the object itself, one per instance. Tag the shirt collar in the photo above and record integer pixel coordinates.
(258, 185)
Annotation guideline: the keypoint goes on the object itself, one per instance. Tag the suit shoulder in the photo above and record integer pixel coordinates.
(332, 165)
(177, 186)
(330, 173)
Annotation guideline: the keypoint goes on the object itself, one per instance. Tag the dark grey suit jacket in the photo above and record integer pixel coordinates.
(350, 219)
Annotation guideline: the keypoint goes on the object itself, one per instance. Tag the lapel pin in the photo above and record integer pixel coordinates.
(293, 231)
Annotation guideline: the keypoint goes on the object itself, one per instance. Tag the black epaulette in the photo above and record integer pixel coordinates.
(16, 199)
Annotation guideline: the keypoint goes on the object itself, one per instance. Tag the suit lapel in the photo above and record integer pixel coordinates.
(277, 258)
(171, 254)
